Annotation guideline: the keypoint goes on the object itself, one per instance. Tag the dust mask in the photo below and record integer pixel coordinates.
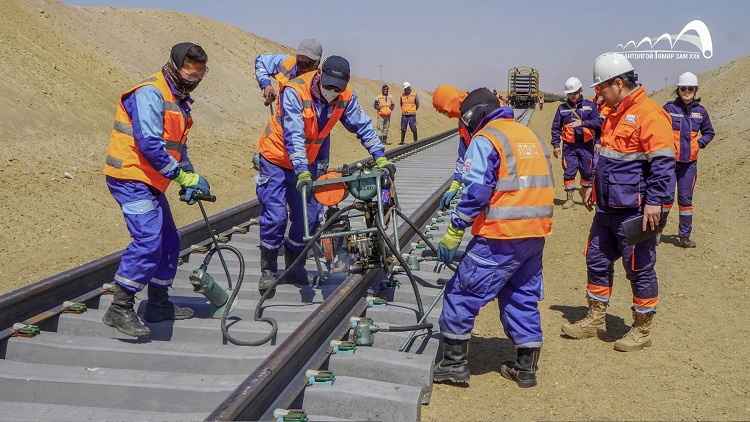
(329, 95)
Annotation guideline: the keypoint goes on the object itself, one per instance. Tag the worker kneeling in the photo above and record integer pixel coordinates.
(309, 107)
(508, 203)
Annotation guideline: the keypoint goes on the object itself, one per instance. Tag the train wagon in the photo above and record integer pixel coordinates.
(523, 87)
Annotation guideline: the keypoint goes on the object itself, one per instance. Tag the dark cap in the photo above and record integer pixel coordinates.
(310, 48)
(179, 51)
(335, 72)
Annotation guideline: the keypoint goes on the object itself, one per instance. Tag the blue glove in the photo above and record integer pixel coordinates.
(449, 245)
(445, 201)
(304, 181)
(383, 162)
(192, 183)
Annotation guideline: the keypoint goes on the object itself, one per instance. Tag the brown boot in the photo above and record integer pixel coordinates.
(593, 325)
(639, 335)
(569, 202)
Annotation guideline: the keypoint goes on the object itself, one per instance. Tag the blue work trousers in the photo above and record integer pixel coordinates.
(151, 258)
(509, 270)
(277, 187)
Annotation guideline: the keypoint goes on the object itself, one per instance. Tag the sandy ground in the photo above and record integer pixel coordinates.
(63, 69)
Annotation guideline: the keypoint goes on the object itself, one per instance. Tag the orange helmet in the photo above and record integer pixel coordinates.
(447, 99)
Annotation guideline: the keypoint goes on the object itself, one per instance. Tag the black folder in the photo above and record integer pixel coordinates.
(634, 232)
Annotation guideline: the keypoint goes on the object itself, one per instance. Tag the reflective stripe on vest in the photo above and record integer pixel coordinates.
(271, 142)
(409, 103)
(124, 160)
(285, 71)
(522, 203)
(384, 104)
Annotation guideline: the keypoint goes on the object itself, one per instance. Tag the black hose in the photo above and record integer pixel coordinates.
(419, 232)
(404, 265)
(302, 256)
(398, 328)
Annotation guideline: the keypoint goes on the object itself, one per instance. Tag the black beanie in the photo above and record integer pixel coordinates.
(179, 51)
(478, 98)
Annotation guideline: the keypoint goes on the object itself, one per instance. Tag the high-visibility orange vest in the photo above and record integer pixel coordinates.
(522, 203)
(285, 72)
(124, 160)
(409, 103)
(568, 134)
(384, 104)
(271, 141)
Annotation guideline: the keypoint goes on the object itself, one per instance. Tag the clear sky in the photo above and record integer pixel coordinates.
(473, 43)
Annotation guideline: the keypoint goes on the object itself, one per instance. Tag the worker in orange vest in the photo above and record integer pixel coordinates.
(409, 107)
(508, 205)
(147, 151)
(384, 105)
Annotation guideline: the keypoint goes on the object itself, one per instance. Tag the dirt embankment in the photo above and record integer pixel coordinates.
(63, 70)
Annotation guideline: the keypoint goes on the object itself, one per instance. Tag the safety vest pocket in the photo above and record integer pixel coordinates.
(624, 190)
(476, 274)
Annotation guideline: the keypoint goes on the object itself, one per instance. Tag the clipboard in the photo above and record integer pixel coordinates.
(634, 232)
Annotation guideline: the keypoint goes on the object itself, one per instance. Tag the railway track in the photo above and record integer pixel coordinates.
(77, 368)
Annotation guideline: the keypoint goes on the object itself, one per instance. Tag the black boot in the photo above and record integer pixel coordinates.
(159, 308)
(122, 316)
(299, 274)
(414, 134)
(403, 135)
(268, 267)
(385, 140)
(453, 367)
(523, 369)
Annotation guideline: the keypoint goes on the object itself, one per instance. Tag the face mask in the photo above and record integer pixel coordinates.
(328, 94)
(182, 85)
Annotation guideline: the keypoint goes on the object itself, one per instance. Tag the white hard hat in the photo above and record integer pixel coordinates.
(572, 85)
(609, 65)
(406, 85)
(687, 79)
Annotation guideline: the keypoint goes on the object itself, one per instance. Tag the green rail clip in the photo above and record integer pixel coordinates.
(378, 302)
(343, 347)
(108, 288)
(222, 239)
(198, 249)
(240, 230)
(74, 307)
(25, 330)
(290, 415)
(180, 261)
(319, 377)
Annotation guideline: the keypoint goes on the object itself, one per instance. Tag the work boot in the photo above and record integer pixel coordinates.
(639, 335)
(268, 267)
(414, 134)
(453, 367)
(122, 316)
(523, 369)
(593, 325)
(159, 308)
(299, 274)
(403, 135)
(569, 202)
(685, 242)
(385, 140)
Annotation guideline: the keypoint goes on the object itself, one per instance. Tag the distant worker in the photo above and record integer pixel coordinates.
(541, 102)
(689, 120)
(509, 219)
(631, 181)
(447, 101)
(384, 105)
(409, 107)
(499, 97)
(309, 107)
(574, 125)
(147, 150)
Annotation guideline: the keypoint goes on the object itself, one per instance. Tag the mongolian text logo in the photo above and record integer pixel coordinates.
(702, 40)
